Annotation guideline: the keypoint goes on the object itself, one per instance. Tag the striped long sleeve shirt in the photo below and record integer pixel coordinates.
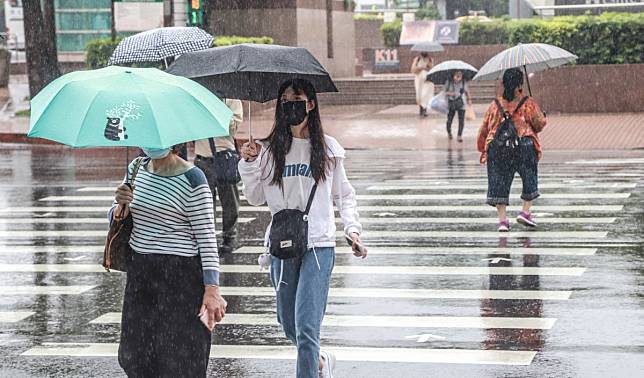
(174, 215)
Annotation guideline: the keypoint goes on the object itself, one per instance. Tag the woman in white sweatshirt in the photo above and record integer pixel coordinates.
(281, 171)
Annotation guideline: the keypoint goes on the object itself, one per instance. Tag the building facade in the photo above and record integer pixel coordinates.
(324, 27)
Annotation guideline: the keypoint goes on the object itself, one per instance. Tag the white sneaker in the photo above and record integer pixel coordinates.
(329, 364)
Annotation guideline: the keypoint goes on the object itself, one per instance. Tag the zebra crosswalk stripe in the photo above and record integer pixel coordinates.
(364, 354)
(484, 322)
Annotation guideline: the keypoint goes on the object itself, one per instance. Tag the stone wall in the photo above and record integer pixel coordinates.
(608, 88)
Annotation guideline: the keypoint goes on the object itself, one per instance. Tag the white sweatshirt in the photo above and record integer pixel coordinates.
(298, 181)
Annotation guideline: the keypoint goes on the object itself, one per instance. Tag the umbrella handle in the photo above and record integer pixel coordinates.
(527, 79)
(250, 125)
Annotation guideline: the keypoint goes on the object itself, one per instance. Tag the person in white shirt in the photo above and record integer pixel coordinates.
(281, 171)
(227, 191)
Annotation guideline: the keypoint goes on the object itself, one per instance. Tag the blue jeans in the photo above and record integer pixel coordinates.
(301, 303)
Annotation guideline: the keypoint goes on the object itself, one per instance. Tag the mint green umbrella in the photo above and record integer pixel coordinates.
(126, 107)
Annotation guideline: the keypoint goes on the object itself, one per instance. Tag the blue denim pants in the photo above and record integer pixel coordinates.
(301, 303)
(502, 167)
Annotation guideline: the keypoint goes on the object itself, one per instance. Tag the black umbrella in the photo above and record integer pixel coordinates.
(251, 72)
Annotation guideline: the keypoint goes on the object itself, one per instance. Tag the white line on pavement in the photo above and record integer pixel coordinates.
(28, 249)
(369, 235)
(27, 290)
(413, 208)
(427, 186)
(107, 199)
(14, 316)
(98, 220)
(397, 197)
(406, 355)
(490, 220)
(413, 293)
(449, 251)
(381, 321)
(338, 269)
(465, 196)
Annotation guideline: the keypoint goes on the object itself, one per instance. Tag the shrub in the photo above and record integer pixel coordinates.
(391, 33)
(235, 40)
(610, 38)
(98, 52)
(483, 33)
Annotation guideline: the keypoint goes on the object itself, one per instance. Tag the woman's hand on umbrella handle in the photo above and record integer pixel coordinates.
(250, 151)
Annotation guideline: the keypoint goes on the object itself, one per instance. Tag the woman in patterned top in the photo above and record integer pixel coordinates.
(171, 301)
(529, 121)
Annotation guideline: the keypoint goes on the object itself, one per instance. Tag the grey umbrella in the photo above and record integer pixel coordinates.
(440, 73)
(532, 57)
(251, 72)
(159, 44)
(429, 46)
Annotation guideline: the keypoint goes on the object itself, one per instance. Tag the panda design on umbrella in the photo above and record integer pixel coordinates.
(115, 128)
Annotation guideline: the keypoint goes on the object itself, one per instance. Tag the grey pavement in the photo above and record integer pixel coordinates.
(442, 294)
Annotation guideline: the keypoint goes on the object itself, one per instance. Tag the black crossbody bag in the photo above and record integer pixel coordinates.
(289, 235)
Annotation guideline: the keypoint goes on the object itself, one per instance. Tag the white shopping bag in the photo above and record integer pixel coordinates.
(439, 103)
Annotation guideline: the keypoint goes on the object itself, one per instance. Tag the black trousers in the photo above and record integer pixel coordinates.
(161, 335)
(228, 195)
(461, 120)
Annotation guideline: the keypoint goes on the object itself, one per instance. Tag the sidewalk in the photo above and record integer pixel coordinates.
(399, 127)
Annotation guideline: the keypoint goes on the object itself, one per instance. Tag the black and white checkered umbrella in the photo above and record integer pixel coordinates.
(158, 44)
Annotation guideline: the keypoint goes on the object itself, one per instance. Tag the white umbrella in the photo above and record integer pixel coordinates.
(533, 57)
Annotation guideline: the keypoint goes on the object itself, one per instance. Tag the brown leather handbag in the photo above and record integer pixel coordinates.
(117, 251)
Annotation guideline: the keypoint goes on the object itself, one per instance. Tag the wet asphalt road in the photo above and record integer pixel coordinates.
(441, 295)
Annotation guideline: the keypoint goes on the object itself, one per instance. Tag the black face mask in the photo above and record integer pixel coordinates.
(294, 112)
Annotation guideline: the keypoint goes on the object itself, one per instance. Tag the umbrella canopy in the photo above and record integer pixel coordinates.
(158, 44)
(442, 72)
(532, 57)
(252, 72)
(430, 46)
(123, 107)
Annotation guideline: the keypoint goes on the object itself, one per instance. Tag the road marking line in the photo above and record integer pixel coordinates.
(11, 249)
(108, 199)
(370, 235)
(411, 208)
(29, 290)
(413, 293)
(14, 316)
(465, 196)
(406, 355)
(381, 321)
(338, 269)
(449, 251)
(394, 220)
(393, 186)
(397, 197)
(97, 220)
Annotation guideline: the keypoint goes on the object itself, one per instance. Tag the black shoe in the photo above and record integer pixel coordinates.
(449, 136)
(228, 246)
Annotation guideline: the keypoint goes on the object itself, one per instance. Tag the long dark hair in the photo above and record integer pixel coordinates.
(512, 79)
(281, 137)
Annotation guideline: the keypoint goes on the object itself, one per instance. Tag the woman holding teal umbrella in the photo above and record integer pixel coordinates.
(172, 299)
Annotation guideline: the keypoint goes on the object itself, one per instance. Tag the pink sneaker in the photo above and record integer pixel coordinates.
(526, 219)
(504, 225)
